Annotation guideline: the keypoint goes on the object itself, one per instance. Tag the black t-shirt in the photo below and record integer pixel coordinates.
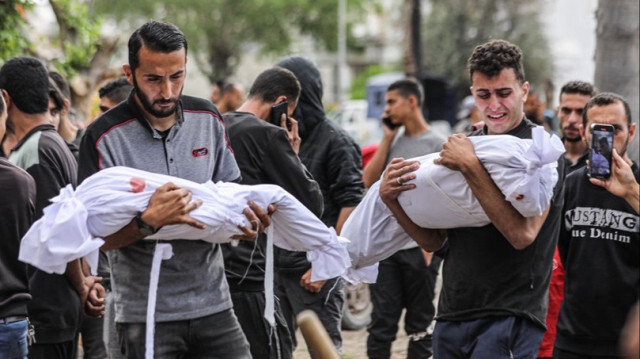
(484, 276)
(264, 156)
(55, 308)
(600, 248)
(17, 209)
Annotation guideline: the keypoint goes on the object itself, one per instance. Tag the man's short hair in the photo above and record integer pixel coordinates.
(61, 83)
(274, 82)
(578, 87)
(116, 90)
(494, 56)
(27, 82)
(158, 36)
(408, 87)
(56, 95)
(606, 99)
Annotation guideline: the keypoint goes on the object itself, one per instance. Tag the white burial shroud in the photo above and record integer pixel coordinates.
(73, 224)
(523, 169)
(105, 202)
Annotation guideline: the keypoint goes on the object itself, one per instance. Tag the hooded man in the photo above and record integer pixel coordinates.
(334, 160)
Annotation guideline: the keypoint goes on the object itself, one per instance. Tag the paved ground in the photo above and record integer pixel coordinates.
(354, 345)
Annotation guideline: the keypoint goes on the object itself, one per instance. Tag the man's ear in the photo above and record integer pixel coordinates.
(525, 91)
(7, 99)
(279, 99)
(632, 131)
(128, 72)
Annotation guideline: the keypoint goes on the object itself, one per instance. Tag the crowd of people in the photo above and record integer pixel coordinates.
(563, 284)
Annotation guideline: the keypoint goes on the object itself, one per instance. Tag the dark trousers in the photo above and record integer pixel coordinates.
(92, 338)
(496, 337)
(215, 336)
(327, 304)
(64, 350)
(264, 341)
(404, 281)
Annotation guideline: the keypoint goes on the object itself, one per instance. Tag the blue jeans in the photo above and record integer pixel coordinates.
(215, 336)
(496, 337)
(13, 340)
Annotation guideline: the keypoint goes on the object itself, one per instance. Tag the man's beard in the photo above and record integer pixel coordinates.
(148, 105)
(575, 139)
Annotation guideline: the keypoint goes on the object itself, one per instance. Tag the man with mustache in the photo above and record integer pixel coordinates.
(573, 96)
(157, 129)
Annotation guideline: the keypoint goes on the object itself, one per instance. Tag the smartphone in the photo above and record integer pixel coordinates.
(276, 114)
(601, 147)
(387, 122)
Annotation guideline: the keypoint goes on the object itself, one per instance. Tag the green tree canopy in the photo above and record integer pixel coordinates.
(454, 27)
(219, 31)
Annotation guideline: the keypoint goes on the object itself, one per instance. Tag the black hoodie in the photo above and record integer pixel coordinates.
(328, 152)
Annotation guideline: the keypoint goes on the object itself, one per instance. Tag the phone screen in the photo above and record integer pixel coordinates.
(276, 114)
(601, 148)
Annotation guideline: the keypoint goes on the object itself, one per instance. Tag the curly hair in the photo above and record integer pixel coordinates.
(490, 58)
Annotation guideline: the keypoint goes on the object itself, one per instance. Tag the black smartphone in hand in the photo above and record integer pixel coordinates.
(600, 150)
(276, 114)
(387, 122)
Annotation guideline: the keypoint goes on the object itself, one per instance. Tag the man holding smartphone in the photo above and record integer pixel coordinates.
(266, 154)
(405, 280)
(599, 241)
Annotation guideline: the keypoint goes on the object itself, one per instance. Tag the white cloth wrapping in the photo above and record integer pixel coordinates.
(108, 200)
(524, 170)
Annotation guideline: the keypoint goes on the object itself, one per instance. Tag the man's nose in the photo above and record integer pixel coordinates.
(165, 89)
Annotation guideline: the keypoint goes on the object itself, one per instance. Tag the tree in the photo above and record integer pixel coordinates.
(454, 27)
(77, 51)
(219, 31)
(13, 22)
(617, 62)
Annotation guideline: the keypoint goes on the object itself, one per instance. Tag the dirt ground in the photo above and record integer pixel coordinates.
(354, 345)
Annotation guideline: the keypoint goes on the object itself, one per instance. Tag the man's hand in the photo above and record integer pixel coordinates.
(308, 285)
(171, 204)
(259, 219)
(622, 182)
(394, 179)
(94, 307)
(294, 137)
(458, 154)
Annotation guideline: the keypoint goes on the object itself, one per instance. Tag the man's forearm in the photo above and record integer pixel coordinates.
(124, 237)
(518, 230)
(633, 197)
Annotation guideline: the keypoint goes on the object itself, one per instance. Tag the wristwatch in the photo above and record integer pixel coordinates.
(145, 229)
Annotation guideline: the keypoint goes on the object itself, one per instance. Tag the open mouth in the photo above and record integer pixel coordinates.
(496, 117)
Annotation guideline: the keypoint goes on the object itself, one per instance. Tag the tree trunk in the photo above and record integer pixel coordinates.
(617, 59)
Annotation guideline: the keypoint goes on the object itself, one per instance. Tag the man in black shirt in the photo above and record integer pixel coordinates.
(17, 207)
(600, 242)
(495, 278)
(58, 300)
(266, 154)
(573, 96)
